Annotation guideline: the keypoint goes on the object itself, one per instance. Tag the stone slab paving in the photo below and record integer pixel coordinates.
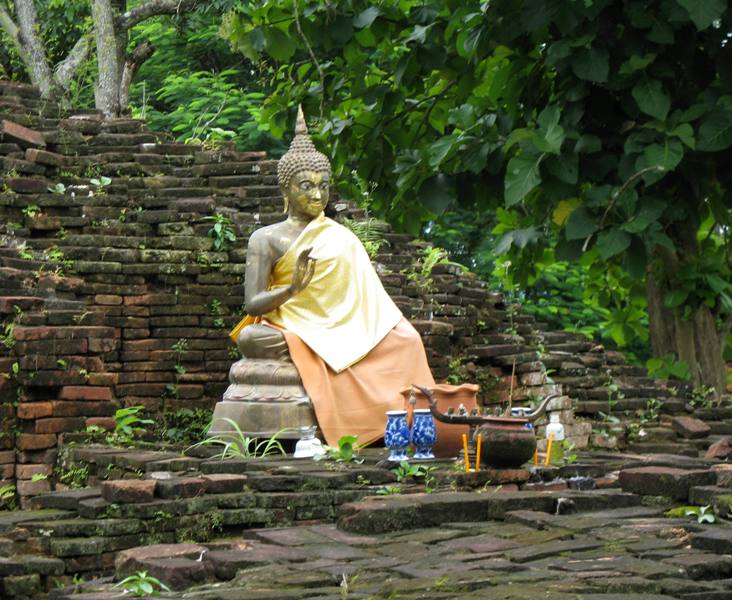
(612, 553)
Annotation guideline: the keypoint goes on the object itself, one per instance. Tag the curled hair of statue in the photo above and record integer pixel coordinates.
(301, 156)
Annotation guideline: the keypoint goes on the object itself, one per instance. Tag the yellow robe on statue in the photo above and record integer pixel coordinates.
(350, 343)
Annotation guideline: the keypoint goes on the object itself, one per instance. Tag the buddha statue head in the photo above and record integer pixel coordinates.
(304, 174)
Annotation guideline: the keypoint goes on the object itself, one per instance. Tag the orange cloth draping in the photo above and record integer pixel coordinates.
(353, 402)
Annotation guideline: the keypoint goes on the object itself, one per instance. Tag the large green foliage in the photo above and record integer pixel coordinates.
(601, 127)
(62, 23)
(195, 87)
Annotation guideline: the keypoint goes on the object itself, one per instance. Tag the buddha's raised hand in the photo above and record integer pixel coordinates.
(303, 272)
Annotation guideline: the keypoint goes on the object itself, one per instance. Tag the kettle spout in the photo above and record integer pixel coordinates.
(541, 409)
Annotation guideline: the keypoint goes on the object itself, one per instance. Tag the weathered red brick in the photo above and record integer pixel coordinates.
(23, 136)
(107, 379)
(43, 157)
(27, 471)
(7, 457)
(103, 345)
(26, 185)
(224, 483)
(85, 392)
(33, 488)
(129, 491)
(151, 299)
(59, 424)
(689, 427)
(7, 471)
(664, 481)
(107, 423)
(183, 487)
(34, 410)
(72, 408)
(35, 441)
(108, 299)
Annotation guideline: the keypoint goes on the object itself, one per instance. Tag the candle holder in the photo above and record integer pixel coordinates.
(396, 435)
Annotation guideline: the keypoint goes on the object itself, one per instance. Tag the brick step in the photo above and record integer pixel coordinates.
(168, 148)
(227, 168)
(631, 404)
(663, 448)
(720, 427)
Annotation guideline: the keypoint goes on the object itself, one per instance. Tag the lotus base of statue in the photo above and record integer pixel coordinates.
(265, 397)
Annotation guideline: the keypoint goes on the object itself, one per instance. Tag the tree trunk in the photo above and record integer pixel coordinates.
(134, 61)
(696, 340)
(110, 63)
(34, 52)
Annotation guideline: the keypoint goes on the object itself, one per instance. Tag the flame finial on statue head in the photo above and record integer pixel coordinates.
(302, 155)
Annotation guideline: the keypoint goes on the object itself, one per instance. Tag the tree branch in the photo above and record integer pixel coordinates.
(153, 8)
(33, 50)
(134, 61)
(66, 69)
(9, 26)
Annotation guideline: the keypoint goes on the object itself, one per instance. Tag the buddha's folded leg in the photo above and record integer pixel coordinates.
(263, 341)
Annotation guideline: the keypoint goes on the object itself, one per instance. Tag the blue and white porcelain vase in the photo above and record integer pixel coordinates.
(396, 436)
(424, 433)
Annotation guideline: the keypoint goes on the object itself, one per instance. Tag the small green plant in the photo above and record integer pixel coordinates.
(430, 481)
(421, 274)
(7, 497)
(185, 426)
(370, 232)
(347, 450)
(215, 308)
(405, 471)
(221, 232)
(614, 393)
(58, 188)
(7, 337)
(234, 444)
(39, 477)
(100, 183)
(56, 255)
(702, 514)
(389, 490)
(141, 584)
(31, 210)
(24, 252)
(704, 397)
(652, 413)
(127, 423)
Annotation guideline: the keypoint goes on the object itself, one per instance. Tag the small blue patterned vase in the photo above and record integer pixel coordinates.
(396, 436)
(424, 433)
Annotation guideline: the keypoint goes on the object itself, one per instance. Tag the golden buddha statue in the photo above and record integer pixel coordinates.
(323, 343)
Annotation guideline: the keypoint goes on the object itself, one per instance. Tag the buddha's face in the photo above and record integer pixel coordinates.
(307, 193)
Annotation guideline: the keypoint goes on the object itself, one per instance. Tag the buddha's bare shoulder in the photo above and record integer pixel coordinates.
(264, 235)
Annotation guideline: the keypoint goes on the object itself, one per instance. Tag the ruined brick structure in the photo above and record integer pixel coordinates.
(98, 282)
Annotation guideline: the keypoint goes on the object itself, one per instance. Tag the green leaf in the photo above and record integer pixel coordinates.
(704, 12)
(610, 243)
(278, 44)
(666, 155)
(651, 98)
(591, 64)
(522, 176)
(440, 149)
(564, 167)
(648, 213)
(580, 224)
(715, 132)
(437, 193)
(685, 133)
(676, 297)
(587, 144)
(366, 18)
